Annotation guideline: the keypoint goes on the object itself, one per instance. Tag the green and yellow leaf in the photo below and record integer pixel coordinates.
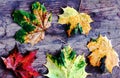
(72, 18)
(66, 64)
(101, 49)
(33, 24)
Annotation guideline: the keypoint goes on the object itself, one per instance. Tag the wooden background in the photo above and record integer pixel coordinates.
(106, 15)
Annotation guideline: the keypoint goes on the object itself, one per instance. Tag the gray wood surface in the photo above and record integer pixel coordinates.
(106, 15)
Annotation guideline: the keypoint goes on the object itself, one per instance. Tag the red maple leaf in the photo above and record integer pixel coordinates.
(21, 65)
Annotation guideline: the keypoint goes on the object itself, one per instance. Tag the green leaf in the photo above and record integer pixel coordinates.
(66, 64)
(35, 5)
(102, 66)
(94, 40)
(67, 27)
(38, 6)
(28, 27)
(76, 30)
(33, 23)
(50, 17)
(20, 35)
(19, 17)
(80, 28)
(24, 19)
(43, 8)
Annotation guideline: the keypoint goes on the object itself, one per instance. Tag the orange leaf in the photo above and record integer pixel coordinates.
(100, 48)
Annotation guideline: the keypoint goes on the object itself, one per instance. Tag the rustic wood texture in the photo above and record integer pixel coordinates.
(106, 15)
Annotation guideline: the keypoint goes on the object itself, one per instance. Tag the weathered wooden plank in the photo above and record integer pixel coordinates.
(106, 15)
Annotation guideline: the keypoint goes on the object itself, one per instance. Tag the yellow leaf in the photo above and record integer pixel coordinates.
(100, 48)
(72, 17)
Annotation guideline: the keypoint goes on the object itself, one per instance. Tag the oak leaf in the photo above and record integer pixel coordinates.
(33, 24)
(103, 55)
(76, 22)
(21, 65)
(66, 64)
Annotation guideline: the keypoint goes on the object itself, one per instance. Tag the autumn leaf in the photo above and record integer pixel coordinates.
(21, 65)
(33, 24)
(66, 64)
(76, 22)
(103, 55)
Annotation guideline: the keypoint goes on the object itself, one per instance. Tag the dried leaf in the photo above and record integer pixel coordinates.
(66, 64)
(102, 51)
(75, 21)
(33, 24)
(21, 65)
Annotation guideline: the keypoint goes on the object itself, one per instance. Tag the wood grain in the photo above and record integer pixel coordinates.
(106, 15)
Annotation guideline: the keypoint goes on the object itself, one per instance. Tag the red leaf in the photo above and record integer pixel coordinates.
(21, 65)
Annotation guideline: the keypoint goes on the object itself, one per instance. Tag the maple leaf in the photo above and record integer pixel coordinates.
(33, 24)
(21, 65)
(103, 55)
(76, 22)
(66, 64)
